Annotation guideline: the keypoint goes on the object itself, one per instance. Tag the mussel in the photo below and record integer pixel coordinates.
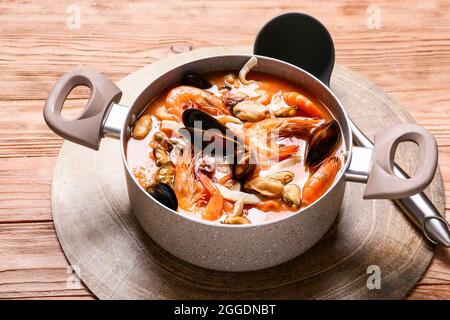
(284, 176)
(161, 156)
(193, 117)
(212, 131)
(194, 80)
(166, 173)
(201, 127)
(211, 143)
(243, 166)
(271, 185)
(292, 196)
(164, 194)
(264, 186)
(142, 127)
(236, 220)
(249, 110)
(163, 140)
(323, 142)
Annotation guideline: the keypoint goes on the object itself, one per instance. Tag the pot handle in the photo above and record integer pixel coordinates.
(87, 129)
(378, 172)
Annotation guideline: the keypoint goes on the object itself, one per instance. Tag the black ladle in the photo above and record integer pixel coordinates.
(311, 49)
(303, 41)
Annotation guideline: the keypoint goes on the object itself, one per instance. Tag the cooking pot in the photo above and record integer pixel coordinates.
(239, 247)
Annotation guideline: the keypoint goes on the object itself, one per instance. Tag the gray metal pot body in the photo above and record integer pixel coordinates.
(237, 247)
(225, 248)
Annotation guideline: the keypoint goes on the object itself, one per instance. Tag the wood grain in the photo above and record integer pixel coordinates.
(408, 57)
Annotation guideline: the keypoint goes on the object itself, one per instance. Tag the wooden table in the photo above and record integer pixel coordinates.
(406, 52)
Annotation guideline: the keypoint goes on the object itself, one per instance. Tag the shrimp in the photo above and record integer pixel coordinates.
(184, 97)
(276, 152)
(163, 114)
(300, 101)
(269, 205)
(184, 186)
(213, 209)
(320, 181)
(284, 126)
(260, 135)
(285, 152)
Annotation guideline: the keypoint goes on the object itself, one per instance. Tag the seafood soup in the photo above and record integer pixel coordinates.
(235, 147)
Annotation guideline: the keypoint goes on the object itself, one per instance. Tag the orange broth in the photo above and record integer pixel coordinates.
(138, 151)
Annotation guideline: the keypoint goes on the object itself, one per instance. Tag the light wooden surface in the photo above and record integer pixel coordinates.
(116, 260)
(408, 57)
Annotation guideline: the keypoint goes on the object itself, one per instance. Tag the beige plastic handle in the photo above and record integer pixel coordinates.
(382, 182)
(87, 128)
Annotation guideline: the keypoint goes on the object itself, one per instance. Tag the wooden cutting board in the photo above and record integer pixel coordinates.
(117, 260)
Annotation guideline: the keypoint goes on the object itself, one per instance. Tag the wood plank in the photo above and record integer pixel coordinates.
(25, 189)
(32, 263)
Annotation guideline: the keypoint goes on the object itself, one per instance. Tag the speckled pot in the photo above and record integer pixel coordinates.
(239, 247)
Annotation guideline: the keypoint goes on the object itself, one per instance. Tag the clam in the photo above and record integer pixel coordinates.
(194, 80)
(249, 110)
(292, 196)
(323, 142)
(163, 140)
(164, 194)
(166, 173)
(161, 156)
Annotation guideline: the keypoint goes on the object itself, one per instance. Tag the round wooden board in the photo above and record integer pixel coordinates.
(117, 260)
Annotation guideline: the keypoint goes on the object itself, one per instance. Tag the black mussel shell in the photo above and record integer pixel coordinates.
(164, 194)
(210, 141)
(194, 80)
(323, 142)
(191, 116)
(244, 166)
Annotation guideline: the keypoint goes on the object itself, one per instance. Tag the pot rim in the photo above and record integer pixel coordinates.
(340, 176)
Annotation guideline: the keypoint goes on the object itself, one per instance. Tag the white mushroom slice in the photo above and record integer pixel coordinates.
(247, 198)
(246, 68)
